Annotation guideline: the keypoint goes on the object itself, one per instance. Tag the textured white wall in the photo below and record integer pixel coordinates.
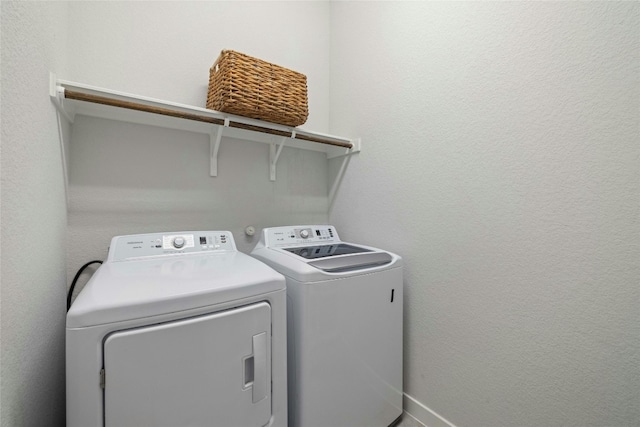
(33, 227)
(132, 179)
(501, 160)
(127, 178)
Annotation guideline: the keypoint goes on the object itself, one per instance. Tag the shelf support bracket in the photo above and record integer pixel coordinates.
(56, 93)
(356, 145)
(214, 146)
(274, 155)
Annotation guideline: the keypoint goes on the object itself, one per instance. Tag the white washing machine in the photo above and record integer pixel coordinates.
(344, 305)
(178, 329)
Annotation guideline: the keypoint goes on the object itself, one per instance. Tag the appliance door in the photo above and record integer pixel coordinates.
(208, 370)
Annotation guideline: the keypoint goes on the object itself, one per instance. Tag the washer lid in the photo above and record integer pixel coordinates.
(355, 262)
(322, 251)
(126, 290)
(310, 253)
(335, 267)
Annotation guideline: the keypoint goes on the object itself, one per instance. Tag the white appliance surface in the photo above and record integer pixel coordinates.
(147, 278)
(178, 329)
(174, 344)
(344, 320)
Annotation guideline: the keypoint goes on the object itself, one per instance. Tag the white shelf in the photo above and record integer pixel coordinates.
(73, 99)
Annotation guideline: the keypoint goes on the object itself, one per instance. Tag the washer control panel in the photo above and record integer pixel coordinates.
(279, 236)
(156, 244)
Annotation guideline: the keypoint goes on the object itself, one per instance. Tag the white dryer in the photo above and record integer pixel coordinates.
(178, 329)
(344, 311)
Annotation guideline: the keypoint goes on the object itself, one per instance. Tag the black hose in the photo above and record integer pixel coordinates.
(75, 279)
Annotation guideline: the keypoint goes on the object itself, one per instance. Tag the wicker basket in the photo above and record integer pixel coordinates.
(250, 87)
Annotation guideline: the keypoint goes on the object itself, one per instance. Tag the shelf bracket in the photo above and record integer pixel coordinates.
(356, 145)
(274, 155)
(214, 146)
(56, 93)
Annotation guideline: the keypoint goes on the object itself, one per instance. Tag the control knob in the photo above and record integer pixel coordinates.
(304, 233)
(178, 242)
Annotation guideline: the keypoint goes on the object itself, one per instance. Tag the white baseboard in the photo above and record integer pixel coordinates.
(423, 414)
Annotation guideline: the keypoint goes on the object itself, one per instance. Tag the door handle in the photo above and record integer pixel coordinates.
(259, 367)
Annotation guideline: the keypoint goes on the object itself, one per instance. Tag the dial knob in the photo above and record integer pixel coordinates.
(178, 242)
(304, 233)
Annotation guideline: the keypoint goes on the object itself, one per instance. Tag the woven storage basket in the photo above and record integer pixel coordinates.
(250, 87)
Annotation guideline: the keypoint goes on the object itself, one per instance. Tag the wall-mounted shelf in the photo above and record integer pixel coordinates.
(74, 98)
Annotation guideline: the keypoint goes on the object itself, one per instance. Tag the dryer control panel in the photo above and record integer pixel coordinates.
(303, 234)
(172, 243)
